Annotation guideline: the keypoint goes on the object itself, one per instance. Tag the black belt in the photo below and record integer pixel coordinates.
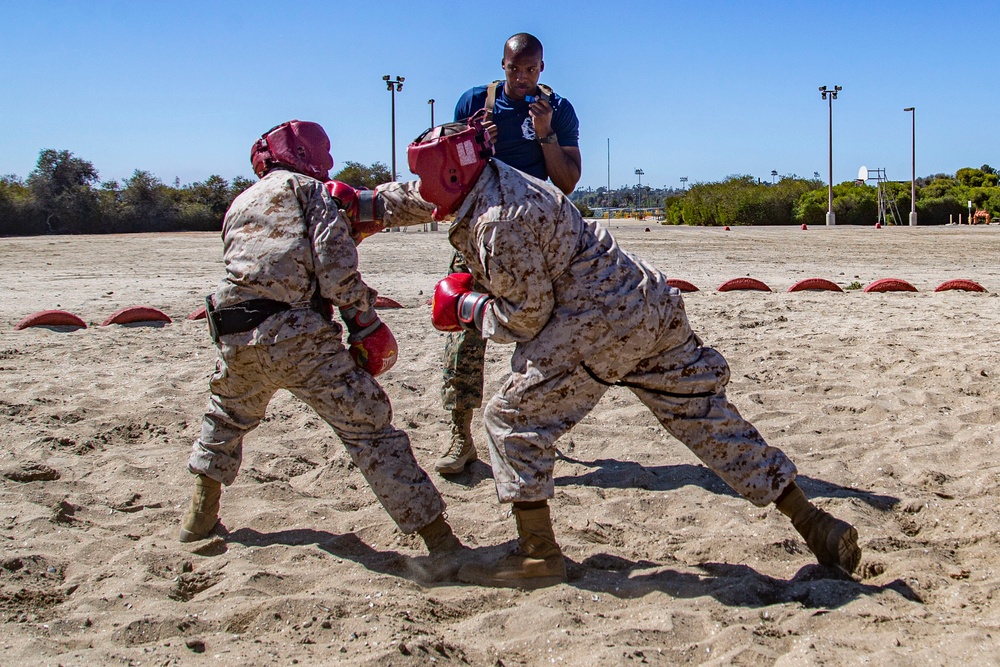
(243, 316)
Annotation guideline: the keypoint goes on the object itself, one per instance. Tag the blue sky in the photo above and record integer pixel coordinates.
(702, 90)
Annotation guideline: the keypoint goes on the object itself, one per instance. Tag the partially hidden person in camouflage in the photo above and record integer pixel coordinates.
(536, 131)
(290, 258)
(584, 316)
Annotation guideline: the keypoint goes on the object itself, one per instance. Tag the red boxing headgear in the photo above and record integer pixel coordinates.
(449, 159)
(299, 145)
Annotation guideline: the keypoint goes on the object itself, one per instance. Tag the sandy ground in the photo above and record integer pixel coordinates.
(888, 403)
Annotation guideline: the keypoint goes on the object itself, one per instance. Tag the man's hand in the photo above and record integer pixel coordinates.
(455, 306)
(361, 208)
(541, 117)
(490, 128)
(370, 343)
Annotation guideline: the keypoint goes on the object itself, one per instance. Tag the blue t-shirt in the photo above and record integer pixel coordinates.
(516, 144)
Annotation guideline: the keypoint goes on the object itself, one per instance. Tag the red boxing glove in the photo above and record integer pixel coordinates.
(370, 343)
(364, 208)
(455, 306)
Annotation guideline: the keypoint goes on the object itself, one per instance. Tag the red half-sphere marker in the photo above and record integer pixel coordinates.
(51, 318)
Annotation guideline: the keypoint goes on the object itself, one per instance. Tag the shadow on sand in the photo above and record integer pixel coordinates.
(615, 474)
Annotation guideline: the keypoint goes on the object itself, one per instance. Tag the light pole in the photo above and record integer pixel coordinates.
(609, 167)
(913, 165)
(393, 86)
(639, 173)
(774, 174)
(831, 219)
(431, 102)
(684, 182)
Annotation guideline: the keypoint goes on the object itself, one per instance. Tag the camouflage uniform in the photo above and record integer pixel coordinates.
(284, 238)
(586, 315)
(464, 360)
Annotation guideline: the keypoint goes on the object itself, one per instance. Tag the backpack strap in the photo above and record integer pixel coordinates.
(491, 99)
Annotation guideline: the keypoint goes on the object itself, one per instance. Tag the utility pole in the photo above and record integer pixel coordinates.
(913, 165)
(831, 219)
(393, 86)
(639, 173)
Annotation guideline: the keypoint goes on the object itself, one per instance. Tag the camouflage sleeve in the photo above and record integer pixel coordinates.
(334, 253)
(516, 270)
(404, 207)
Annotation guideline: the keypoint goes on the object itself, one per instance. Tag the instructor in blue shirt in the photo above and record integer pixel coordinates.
(537, 132)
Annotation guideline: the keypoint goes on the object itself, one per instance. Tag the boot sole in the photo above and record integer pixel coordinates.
(528, 584)
(848, 551)
(187, 536)
(456, 468)
(841, 550)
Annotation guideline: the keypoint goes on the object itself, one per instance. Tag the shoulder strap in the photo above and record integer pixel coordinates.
(491, 96)
(491, 99)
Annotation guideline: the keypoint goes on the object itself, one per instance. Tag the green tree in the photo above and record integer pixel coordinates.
(146, 204)
(214, 194)
(359, 175)
(239, 184)
(18, 214)
(939, 210)
(62, 187)
(976, 178)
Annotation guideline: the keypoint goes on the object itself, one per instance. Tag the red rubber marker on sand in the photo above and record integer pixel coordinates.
(682, 285)
(960, 284)
(815, 284)
(743, 284)
(134, 314)
(890, 285)
(51, 318)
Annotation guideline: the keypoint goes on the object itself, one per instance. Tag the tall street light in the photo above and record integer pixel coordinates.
(831, 219)
(913, 165)
(431, 102)
(393, 86)
(684, 181)
(639, 173)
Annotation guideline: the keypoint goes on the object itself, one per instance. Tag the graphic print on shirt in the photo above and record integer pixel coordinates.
(527, 129)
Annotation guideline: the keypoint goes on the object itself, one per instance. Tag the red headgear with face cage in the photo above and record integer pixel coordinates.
(300, 145)
(449, 159)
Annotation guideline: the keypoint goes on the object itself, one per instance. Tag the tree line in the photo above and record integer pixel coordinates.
(64, 195)
(745, 200)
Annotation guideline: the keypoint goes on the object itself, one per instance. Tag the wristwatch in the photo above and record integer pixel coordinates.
(550, 138)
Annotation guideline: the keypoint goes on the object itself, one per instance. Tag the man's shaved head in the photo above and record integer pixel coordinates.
(522, 44)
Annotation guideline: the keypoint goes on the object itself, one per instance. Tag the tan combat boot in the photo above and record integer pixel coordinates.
(203, 513)
(461, 451)
(536, 563)
(446, 553)
(439, 538)
(833, 541)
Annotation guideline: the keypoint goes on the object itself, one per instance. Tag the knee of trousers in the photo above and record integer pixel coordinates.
(709, 373)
